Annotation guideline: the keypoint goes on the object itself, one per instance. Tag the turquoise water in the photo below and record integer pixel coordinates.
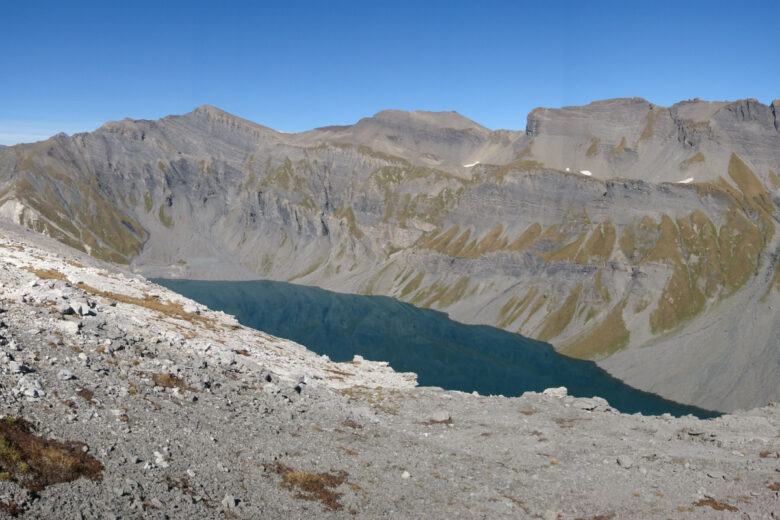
(440, 351)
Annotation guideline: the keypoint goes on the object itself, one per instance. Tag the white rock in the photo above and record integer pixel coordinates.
(559, 392)
(440, 416)
(18, 368)
(80, 306)
(28, 387)
(229, 502)
(405, 475)
(67, 326)
(159, 459)
(65, 375)
(191, 308)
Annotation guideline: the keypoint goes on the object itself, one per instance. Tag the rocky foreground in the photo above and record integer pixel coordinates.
(124, 400)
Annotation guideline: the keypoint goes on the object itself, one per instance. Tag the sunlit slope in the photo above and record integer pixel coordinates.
(494, 227)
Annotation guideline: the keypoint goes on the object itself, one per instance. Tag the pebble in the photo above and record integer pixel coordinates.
(65, 375)
(229, 502)
(18, 368)
(624, 461)
(68, 327)
(29, 387)
(406, 475)
(159, 460)
(440, 416)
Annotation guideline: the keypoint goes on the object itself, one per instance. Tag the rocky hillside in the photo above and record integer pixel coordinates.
(639, 236)
(124, 400)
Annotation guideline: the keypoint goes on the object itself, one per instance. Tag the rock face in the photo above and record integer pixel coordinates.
(635, 235)
(153, 406)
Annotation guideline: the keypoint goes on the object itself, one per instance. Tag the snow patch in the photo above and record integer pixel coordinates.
(470, 164)
(685, 181)
(586, 173)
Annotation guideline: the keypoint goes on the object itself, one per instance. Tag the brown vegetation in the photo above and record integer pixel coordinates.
(312, 486)
(714, 504)
(35, 463)
(166, 380)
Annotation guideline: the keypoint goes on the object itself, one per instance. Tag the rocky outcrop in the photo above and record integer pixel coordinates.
(610, 230)
(123, 399)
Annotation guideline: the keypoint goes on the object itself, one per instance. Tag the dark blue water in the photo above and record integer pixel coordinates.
(440, 351)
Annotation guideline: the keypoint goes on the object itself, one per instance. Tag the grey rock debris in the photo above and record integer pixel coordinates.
(369, 444)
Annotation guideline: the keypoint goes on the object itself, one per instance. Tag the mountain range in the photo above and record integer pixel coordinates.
(639, 236)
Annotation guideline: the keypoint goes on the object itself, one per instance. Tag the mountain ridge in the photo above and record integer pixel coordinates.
(608, 230)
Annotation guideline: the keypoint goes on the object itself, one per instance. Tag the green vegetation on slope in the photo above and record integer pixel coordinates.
(557, 321)
(593, 148)
(166, 220)
(603, 340)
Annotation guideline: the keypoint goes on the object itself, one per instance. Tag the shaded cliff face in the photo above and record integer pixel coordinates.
(577, 231)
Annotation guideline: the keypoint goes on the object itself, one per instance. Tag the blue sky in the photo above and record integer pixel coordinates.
(294, 65)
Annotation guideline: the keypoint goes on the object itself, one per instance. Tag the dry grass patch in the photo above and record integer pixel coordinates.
(312, 486)
(85, 394)
(11, 509)
(46, 274)
(167, 380)
(568, 422)
(339, 372)
(694, 159)
(152, 302)
(348, 451)
(35, 463)
(519, 503)
(714, 504)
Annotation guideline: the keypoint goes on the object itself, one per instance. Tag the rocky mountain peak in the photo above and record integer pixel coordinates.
(445, 119)
(218, 116)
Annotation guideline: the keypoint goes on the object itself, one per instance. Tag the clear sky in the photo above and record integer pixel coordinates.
(294, 65)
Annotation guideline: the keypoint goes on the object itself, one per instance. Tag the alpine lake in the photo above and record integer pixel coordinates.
(442, 352)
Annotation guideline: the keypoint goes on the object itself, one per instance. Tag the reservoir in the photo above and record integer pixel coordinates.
(440, 351)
